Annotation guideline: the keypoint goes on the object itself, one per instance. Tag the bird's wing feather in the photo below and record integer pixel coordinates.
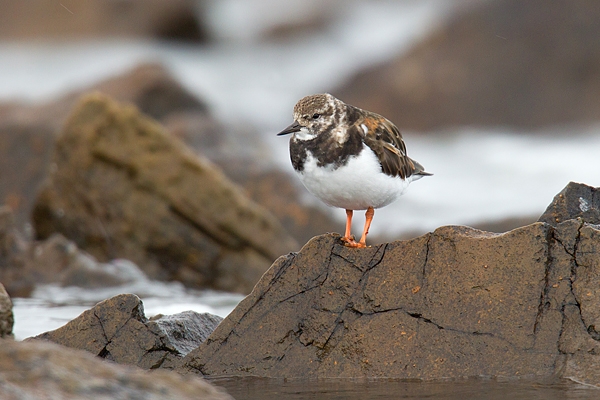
(384, 138)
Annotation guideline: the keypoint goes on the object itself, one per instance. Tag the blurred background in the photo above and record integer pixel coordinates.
(500, 99)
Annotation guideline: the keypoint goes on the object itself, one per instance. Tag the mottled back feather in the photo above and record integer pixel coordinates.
(384, 138)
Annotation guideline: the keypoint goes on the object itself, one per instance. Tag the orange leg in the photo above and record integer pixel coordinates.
(348, 225)
(368, 218)
(348, 239)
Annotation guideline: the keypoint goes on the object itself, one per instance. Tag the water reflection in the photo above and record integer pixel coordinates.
(250, 388)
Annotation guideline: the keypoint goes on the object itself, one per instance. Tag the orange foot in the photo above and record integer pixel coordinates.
(350, 242)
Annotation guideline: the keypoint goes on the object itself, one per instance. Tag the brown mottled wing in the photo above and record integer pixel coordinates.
(385, 140)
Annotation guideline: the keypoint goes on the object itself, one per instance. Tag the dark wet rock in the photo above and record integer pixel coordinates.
(7, 319)
(178, 19)
(526, 64)
(152, 89)
(576, 200)
(453, 303)
(117, 330)
(41, 370)
(123, 188)
(25, 152)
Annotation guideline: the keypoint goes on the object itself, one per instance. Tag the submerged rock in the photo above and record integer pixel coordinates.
(117, 330)
(456, 302)
(123, 188)
(39, 370)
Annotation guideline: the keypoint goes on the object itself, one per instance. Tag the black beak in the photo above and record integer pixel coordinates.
(295, 127)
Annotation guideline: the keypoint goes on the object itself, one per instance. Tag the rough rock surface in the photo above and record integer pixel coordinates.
(39, 370)
(576, 200)
(110, 329)
(514, 63)
(186, 330)
(453, 303)
(7, 319)
(123, 188)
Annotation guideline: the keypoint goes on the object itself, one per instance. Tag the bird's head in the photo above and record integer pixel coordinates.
(314, 115)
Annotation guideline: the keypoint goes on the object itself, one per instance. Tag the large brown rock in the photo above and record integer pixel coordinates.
(28, 132)
(526, 64)
(453, 303)
(40, 370)
(27, 137)
(122, 187)
(112, 327)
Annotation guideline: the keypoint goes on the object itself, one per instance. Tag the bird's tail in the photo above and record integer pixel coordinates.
(419, 171)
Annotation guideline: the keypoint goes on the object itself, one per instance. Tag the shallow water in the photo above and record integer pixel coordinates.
(332, 389)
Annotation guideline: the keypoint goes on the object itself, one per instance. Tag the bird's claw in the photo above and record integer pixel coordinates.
(350, 242)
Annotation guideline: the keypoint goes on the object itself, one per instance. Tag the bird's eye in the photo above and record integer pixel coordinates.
(316, 116)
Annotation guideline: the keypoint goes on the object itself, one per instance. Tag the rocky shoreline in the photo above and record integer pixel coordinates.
(454, 303)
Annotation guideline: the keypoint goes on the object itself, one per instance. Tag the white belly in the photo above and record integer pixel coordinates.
(355, 186)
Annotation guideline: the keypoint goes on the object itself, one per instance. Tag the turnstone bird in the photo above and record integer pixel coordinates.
(349, 158)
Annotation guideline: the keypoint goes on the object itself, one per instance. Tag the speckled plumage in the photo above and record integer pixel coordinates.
(348, 157)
